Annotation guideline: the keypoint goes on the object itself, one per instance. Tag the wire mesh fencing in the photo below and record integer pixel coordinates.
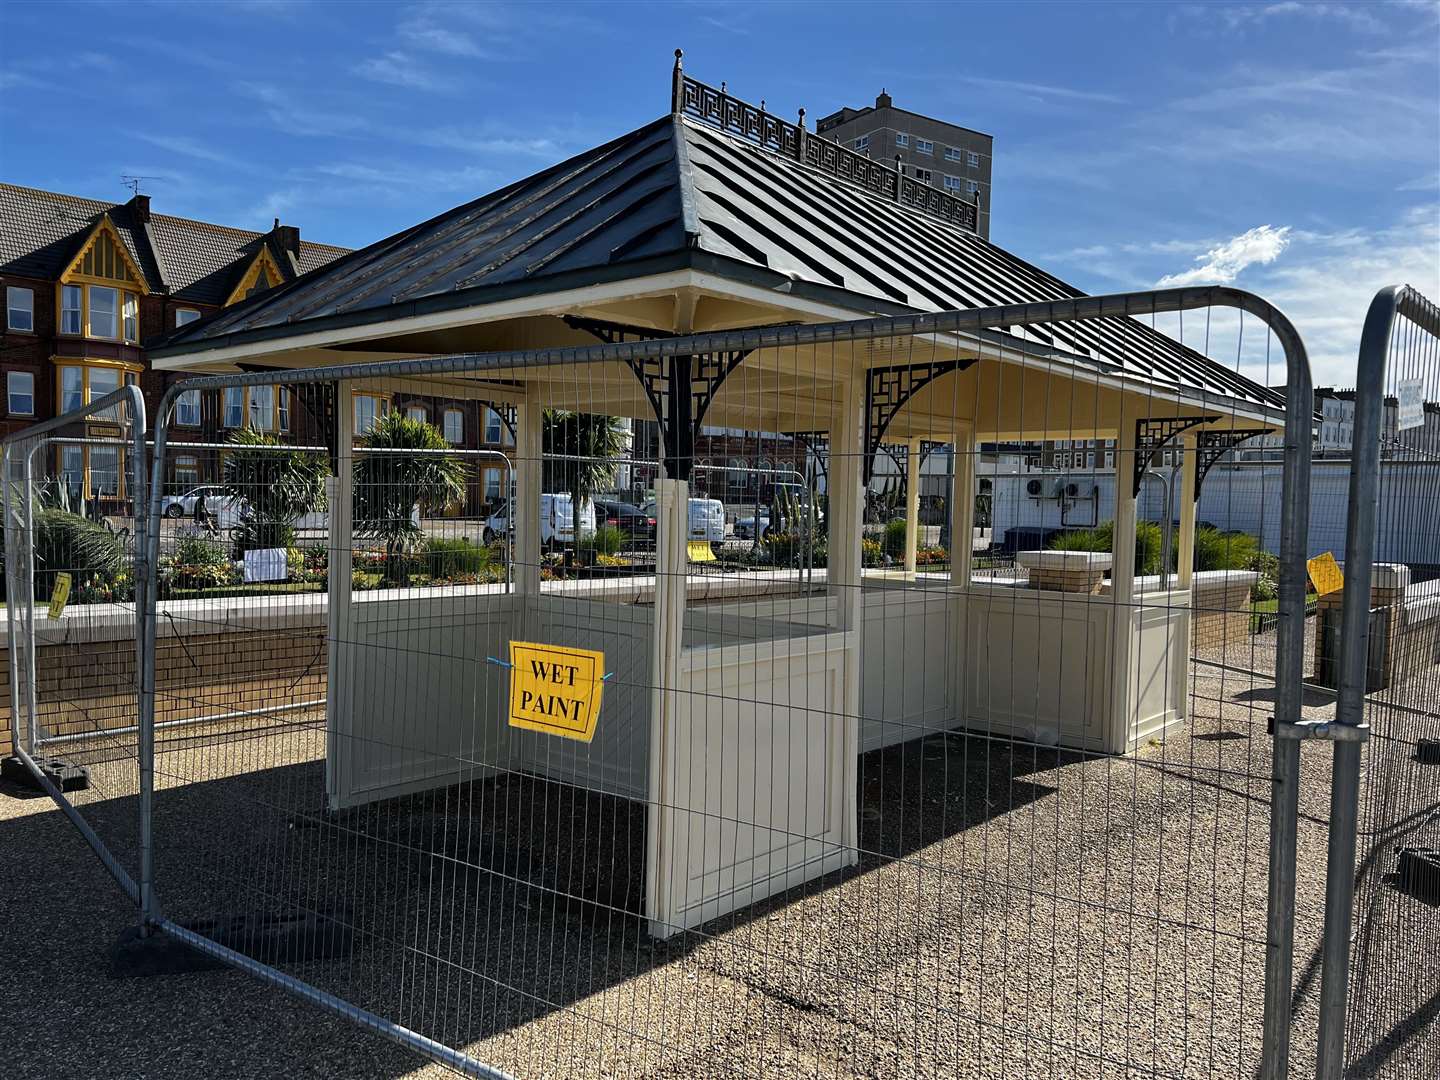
(1387, 813)
(888, 697)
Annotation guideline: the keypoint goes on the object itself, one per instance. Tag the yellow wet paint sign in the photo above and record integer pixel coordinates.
(59, 595)
(700, 551)
(1325, 574)
(555, 689)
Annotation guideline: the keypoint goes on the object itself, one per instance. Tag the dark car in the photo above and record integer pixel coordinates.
(637, 526)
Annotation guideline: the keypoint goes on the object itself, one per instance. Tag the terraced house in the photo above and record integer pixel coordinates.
(87, 283)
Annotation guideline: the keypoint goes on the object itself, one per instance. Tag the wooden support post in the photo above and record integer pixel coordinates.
(846, 521)
(1185, 545)
(962, 508)
(525, 503)
(912, 503)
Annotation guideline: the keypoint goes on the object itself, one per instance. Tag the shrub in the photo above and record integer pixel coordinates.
(872, 552)
(607, 540)
(89, 552)
(895, 538)
(1216, 550)
(1267, 565)
(447, 558)
(1148, 543)
(790, 549)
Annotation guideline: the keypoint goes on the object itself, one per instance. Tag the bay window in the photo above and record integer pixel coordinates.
(264, 408)
(91, 472)
(368, 409)
(234, 407)
(100, 311)
(132, 317)
(83, 381)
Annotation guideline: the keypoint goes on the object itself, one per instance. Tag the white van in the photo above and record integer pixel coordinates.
(707, 519)
(557, 525)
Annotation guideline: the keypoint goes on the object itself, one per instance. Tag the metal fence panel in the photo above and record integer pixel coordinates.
(1383, 885)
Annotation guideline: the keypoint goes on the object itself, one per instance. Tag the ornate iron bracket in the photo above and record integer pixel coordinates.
(888, 389)
(1151, 435)
(1211, 446)
(680, 389)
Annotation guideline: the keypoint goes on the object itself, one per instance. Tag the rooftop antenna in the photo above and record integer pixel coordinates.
(134, 182)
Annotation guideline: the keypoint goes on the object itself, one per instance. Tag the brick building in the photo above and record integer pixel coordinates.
(88, 283)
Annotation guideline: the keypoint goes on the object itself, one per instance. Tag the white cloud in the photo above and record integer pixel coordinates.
(424, 32)
(398, 69)
(296, 119)
(1223, 264)
(181, 144)
(1042, 90)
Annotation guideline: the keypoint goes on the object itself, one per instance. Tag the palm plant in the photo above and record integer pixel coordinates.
(275, 483)
(589, 443)
(389, 487)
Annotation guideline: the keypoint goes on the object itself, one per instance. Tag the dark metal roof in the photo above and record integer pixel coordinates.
(678, 192)
(40, 232)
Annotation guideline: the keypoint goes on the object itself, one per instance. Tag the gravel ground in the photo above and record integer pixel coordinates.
(1019, 912)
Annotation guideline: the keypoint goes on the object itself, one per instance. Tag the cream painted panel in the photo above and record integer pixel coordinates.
(753, 800)
(1037, 665)
(617, 760)
(908, 653)
(416, 705)
(1158, 667)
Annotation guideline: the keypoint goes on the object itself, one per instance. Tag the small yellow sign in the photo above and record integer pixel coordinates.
(1325, 574)
(59, 595)
(700, 551)
(555, 689)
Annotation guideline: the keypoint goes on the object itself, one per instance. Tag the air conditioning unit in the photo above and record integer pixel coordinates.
(1034, 488)
(1079, 489)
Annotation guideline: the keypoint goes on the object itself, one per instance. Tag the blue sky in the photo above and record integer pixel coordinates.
(1288, 148)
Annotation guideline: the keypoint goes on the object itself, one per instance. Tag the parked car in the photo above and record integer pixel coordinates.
(637, 526)
(175, 506)
(707, 519)
(557, 525)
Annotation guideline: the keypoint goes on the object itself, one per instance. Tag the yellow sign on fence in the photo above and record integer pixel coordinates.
(700, 551)
(59, 595)
(1325, 574)
(555, 689)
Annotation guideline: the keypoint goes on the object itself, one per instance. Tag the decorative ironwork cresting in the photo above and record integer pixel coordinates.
(1211, 446)
(888, 388)
(723, 110)
(1153, 433)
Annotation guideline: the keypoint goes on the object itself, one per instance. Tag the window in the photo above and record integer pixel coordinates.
(71, 309)
(187, 472)
(952, 153)
(418, 414)
(264, 408)
(104, 470)
(972, 159)
(20, 393)
(72, 388)
(901, 139)
(924, 146)
(19, 308)
(72, 471)
(972, 187)
(187, 409)
(131, 304)
(104, 311)
(90, 472)
(234, 407)
(862, 143)
(81, 383)
(493, 427)
(492, 485)
(925, 176)
(185, 316)
(368, 409)
(454, 426)
(952, 183)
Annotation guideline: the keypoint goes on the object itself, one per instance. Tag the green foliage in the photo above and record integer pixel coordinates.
(608, 540)
(1148, 543)
(791, 549)
(895, 538)
(89, 552)
(1216, 550)
(1267, 565)
(390, 487)
(276, 484)
(447, 558)
(872, 552)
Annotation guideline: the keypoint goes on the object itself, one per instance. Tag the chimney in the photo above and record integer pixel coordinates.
(139, 206)
(883, 100)
(288, 237)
